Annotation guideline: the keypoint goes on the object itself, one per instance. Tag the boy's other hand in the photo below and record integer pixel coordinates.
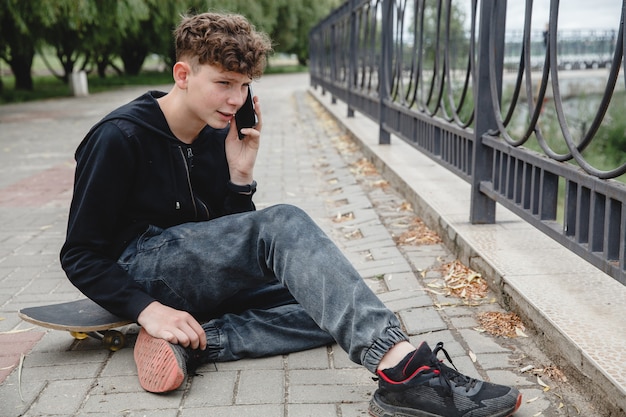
(175, 326)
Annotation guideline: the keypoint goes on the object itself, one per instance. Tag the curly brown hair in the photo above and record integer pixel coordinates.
(226, 40)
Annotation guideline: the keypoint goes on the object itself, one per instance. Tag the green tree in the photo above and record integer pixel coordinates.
(295, 20)
(117, 21)
(288, 22)
(97, 31)
(152, 33)
(430, 22)
(19, 26)
(68, 27)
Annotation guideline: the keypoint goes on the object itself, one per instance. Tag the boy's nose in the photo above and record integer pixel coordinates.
(237, 98)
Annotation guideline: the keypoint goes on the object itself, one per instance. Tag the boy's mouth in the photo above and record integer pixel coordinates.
(227, 116)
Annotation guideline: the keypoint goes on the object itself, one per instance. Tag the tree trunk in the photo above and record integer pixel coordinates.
(133, 59)
(102, 65)
(21, 64)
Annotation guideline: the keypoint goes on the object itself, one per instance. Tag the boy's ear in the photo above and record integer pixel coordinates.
(181, 73)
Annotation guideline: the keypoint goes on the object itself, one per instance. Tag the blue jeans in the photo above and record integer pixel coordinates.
(269, 282)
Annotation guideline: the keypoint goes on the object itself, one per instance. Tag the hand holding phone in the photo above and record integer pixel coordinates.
(246, 116)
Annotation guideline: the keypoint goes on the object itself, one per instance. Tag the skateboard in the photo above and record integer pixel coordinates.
(82, 318)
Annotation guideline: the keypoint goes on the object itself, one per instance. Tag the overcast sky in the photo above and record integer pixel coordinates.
(573, 14)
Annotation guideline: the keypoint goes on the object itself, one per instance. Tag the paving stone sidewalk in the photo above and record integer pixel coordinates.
(305, 160)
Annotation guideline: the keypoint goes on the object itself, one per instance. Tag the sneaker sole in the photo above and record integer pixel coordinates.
(378, 409)
(157, 365)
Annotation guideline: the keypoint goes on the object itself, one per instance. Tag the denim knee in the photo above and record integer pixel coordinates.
(286, 213)
(289, 221)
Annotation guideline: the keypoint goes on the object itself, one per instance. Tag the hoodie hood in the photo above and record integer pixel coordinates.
(140, 112)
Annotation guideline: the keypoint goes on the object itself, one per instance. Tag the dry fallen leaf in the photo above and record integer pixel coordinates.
(519, 332)
(545, 386)
(418, 234)
(343, 217)
(554, 373)
(380, 184)
(364, 167)
(344, 143)
(462, 282)
(15, 331)
(501, 324)
(353, 235)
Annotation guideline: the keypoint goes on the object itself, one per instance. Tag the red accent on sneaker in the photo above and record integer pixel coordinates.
(382, 375)
(517, 404)
(158, 368)
(406, 365)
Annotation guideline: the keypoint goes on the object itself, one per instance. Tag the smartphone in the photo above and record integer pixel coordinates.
(246, 116)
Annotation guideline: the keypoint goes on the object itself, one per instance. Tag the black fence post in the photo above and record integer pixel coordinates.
(384, 83)
(491, 39)
(333, 59)
(352, 54)
(624, 43)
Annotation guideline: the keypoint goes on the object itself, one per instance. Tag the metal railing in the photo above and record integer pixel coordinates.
(526, 138)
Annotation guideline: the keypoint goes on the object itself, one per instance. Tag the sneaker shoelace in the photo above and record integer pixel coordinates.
(448, 375)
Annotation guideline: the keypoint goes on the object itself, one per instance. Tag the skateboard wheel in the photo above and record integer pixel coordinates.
(113, 340)
(79, 335)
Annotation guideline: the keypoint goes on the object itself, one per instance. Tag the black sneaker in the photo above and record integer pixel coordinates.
(163, 366)
(423, 386)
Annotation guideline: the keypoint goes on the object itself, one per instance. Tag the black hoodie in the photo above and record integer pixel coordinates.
(132, 172)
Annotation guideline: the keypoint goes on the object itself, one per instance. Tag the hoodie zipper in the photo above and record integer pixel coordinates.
(186, 161)
(140, 122)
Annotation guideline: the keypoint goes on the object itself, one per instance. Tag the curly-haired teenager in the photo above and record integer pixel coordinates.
(162, 230)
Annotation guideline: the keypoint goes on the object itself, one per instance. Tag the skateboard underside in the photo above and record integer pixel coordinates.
(82, 318)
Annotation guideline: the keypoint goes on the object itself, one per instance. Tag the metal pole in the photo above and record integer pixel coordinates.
(492, 22)
(384, 83)
(352, 58)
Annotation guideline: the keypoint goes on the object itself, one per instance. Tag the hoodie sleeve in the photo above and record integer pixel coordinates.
(105, 163)
(238, 203)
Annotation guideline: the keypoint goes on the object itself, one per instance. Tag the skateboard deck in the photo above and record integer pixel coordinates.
(82, 318)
